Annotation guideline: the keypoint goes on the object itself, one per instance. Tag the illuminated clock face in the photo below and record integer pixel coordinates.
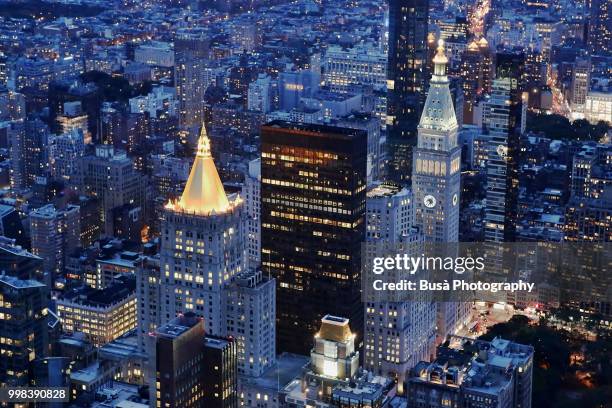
(429, 201)
(455, 199)
(502, 151)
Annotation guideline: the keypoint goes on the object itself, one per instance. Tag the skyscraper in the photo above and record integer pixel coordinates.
(504, 122)
(191, 49)
(437, 161)
(220, 373)
(398, 334)
(437, 180)
(28, 141)
(312, 225)
(202, 244)
(476, 72)
(110, 176)
(407, 75)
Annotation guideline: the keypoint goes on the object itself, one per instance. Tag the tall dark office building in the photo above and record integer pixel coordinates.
(192, 369)
(407, 75)
(25, 333)
(179, 358)
(313, 181)
(220, 373)
(504, 123)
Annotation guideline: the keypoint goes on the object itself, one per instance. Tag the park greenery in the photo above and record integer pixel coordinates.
(559, 127)
(569, 372)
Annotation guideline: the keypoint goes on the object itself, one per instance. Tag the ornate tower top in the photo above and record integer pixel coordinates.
(440, 60)
(439, 112)
(204, 193)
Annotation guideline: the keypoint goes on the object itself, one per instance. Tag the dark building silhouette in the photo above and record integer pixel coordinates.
(194, 370)
(313, 222)
(17, 262)
(25, 334)
(407, 74)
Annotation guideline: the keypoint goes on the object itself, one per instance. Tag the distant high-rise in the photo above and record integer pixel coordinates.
(581, 75)
(28, 140)
(55, 234)
(600, 29)
(312, 225)
(476, 72)
(504, 122)
(110, 176)
(191, 50)
(251, 192)
(259, 95)
(407, 79)
(12, 106)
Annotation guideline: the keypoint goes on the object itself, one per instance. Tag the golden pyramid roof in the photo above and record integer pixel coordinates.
(204, 192)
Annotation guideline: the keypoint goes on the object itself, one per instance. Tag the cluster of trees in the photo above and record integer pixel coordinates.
(115, 88)
(554, 378)
(559, 127)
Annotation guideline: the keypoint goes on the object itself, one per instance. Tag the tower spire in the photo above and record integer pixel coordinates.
(440, 61)
(203, 143)
(439, 112)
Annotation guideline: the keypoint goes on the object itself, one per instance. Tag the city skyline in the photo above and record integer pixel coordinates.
(306, 203)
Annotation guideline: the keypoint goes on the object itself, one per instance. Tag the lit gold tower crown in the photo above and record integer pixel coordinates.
(204, 192)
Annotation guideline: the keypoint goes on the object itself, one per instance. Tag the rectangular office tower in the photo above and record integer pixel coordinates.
(504, 122)
(407, 78)
(313, 181)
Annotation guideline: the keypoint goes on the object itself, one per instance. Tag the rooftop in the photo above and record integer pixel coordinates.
(122, 288)
(20, 283)
(288, 366)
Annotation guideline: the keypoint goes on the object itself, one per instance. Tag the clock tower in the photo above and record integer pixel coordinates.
(437, 161)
